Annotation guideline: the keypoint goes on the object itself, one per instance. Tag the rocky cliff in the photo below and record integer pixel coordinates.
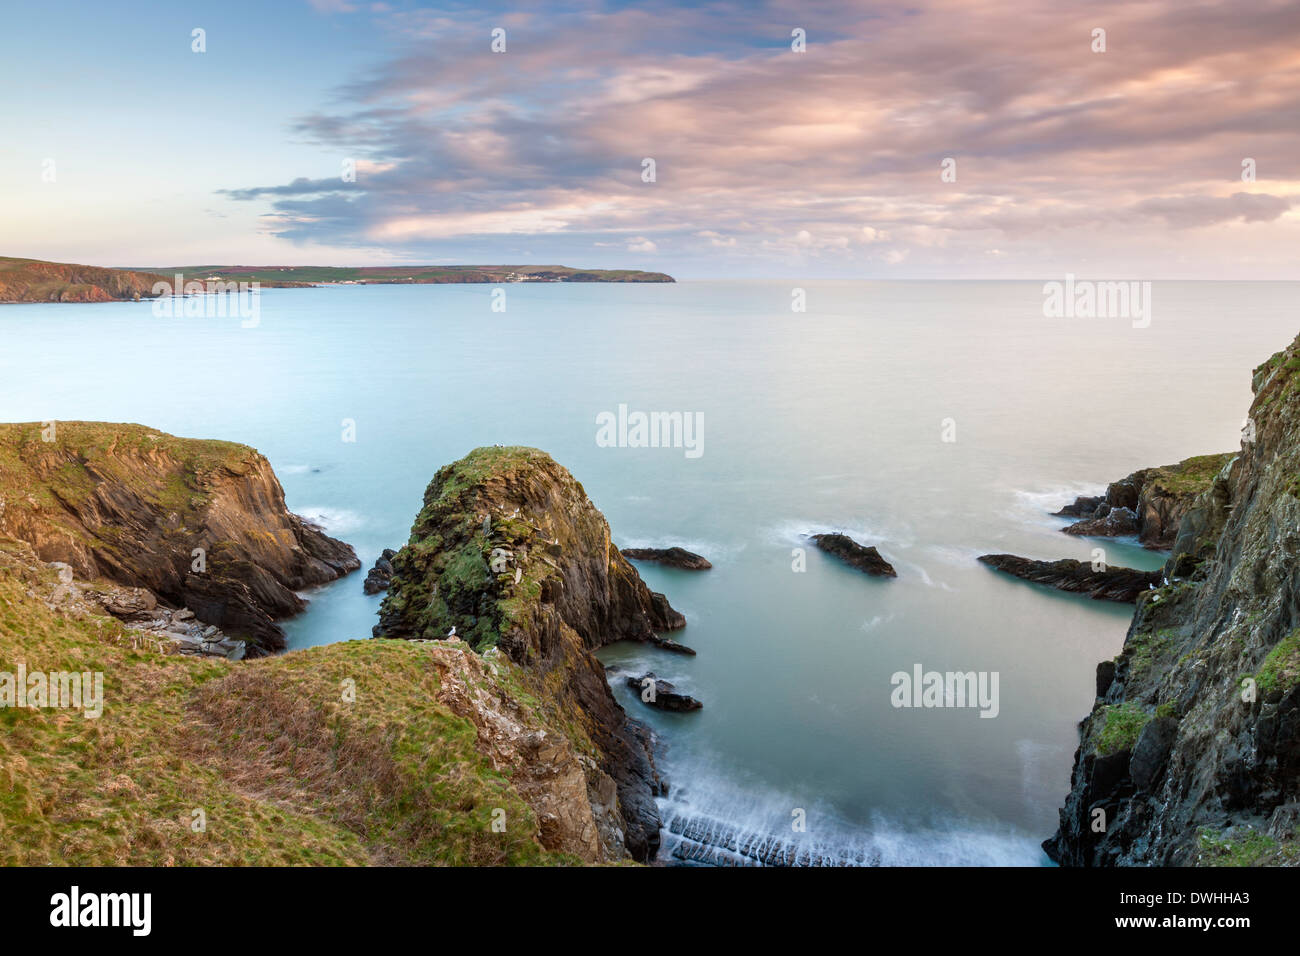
(32, 280)
(1191, 753)
(508, 553)
(1149, 503)
(200, 524)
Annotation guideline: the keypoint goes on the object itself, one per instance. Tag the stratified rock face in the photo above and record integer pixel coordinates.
(1149, 503)
(1192, 751)
(863, 558)
(509, 552)
(673, 557)
(201, 524)
(1078, 577)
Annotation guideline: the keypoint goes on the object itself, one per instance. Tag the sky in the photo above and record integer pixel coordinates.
(913, 139)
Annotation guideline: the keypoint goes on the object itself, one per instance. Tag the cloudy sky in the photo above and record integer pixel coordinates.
(126, 147)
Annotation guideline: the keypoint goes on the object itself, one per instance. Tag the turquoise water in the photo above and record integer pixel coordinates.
(830, 419)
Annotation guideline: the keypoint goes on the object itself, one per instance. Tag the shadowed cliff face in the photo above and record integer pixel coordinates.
(1192, 751)
(509, 551)
(202, 524)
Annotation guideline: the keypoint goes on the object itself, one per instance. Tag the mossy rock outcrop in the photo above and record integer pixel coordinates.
(508, 552)
(201, 524)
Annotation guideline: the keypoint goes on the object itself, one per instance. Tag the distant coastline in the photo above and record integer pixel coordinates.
(35, 280)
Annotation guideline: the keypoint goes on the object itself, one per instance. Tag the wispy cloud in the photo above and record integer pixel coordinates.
(832, 155)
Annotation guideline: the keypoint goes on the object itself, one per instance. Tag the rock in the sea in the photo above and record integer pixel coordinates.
(1107, 522)
(664, 617)
(673, 557)
(381, 575)
(862, 557)
(1078, 577)
(661, 694)
(510, 553)
(1205, 696)
(200, 524)
(1149, 503)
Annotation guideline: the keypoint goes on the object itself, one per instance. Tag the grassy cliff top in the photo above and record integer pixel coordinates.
(96, 439)
(38, 457)
(1191, 475)
(284, 769)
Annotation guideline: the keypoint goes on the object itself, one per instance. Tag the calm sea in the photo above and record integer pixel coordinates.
(834, 418)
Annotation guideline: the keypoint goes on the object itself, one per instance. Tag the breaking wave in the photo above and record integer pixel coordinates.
(716, 823)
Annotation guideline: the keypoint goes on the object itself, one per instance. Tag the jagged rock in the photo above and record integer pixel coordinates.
(1231, 762)
(129, 603)
(1085, 506)
(665, 695)
(1105, 677)
(1284, 821)
(563, 592)
(1078, 577)
(662, 615)
(1151, 752)
(673, 557)
(1149, 503)
(862, 557)
(201, 524)
(172, 631)
(1115, 523)
(381, 575)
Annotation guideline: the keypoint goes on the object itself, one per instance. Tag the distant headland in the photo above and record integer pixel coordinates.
(34, 280)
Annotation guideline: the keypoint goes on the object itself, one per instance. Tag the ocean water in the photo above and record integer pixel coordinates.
(829, 419)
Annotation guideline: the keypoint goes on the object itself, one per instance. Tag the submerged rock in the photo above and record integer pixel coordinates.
(862, 557)
(509, 553)
(200, 524)
(673, 557)
(661, 694)
(1078, 577)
